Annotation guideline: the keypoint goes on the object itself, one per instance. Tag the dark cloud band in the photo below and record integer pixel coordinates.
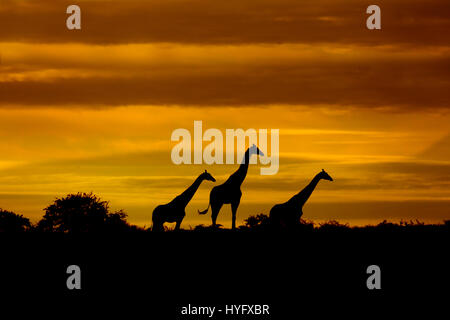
(378, 85)
(227, 22)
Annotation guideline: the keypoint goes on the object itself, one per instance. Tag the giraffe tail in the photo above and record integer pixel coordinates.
(204, 211)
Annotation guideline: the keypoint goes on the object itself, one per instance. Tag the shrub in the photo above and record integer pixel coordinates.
(81, 212)
(11, 222)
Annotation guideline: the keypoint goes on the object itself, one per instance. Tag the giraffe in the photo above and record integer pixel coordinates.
(230, 191)
(174, 211)
(289, 213)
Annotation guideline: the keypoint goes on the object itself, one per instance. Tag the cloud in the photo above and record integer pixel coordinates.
(359, 103)
(154, 171)
(376, 211)
(438, 151)
(226, 22)
(139, 181)
(224, 76)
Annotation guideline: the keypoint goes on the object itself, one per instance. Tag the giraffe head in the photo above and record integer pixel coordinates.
(255, 150)
(325, 176)
(207, 176)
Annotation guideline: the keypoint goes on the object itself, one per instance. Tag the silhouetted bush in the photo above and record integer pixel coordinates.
(11, 222)
(261, 222)
(333, 225)
(258, 222)
(305, 226)
(203, 228)
(82, 212)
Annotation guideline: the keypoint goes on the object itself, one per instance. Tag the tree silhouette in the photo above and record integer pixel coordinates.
(81, 212)
(11, 222)
(258, 222)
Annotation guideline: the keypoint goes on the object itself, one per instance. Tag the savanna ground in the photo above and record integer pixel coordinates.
(315, 267)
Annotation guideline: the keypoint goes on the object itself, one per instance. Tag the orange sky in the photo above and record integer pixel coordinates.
(93, 110)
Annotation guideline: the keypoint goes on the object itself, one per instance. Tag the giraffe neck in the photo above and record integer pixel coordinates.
(240, 174)
(300, 198)
(187, 195)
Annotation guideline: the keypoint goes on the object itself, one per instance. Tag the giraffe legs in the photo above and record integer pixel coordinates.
(158, 226)
(215, 208)
(234, 207)
(178, 220)
(158, 220)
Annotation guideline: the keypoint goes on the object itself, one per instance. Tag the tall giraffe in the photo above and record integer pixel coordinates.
(230, 191)
(174, 211)
(289, 213)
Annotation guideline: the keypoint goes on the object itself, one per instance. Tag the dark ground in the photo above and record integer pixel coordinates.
(147, 275)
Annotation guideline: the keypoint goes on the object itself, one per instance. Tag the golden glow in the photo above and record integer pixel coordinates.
(95, 112)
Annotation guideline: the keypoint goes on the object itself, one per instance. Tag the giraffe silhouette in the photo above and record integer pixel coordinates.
(288, 214)
(230, 191)
(174, 211)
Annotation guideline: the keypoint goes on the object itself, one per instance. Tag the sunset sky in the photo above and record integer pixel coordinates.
(93, 109)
